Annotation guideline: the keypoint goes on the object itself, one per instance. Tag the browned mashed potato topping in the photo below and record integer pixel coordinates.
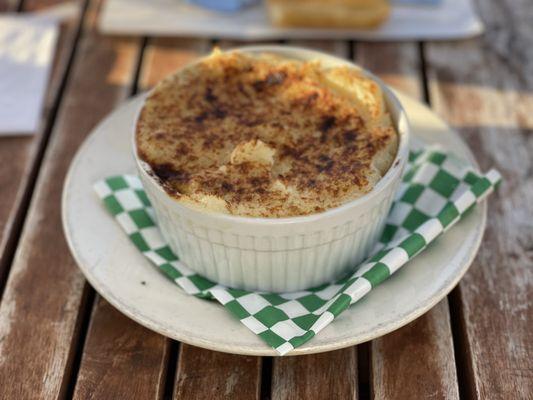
(263, 136)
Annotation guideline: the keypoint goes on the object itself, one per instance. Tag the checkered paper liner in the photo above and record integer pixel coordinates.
(436, 191)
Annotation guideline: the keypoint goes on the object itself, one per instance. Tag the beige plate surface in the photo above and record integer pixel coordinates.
(116, 269)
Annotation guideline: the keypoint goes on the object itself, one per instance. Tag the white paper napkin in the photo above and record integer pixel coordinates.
(27, 45)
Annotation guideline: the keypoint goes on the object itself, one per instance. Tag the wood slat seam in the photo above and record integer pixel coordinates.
(78, 342)
(457, 325)
(88, 308)
(26, 288)
(169, 386)
(16, 218)
(11, 5)
(166, 350)
(324, 375)
(266, 378)
(484, 86)
(417, 359)
(463, 354)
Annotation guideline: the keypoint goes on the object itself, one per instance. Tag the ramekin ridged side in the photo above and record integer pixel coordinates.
(280, 254)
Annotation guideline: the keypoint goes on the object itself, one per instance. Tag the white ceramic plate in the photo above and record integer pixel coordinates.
(134, 286)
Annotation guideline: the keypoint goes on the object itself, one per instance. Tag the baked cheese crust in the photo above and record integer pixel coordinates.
(262, 136)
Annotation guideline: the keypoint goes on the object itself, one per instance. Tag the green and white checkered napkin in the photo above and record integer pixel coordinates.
(437, 189)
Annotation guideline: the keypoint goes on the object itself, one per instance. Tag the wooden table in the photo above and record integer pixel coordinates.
(58, 339)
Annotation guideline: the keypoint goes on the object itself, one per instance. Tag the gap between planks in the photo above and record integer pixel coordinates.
(155, 355)
(418, 359)
(325, 375)
(199, 373)
(464, 388)
(47, 324)
(484, 87)
(27, 152)
(101, 326)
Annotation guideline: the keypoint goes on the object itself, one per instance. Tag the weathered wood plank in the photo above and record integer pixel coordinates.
(39, 310)
(331, 375)
(187, 387)
(121, 358)
(9, 5)
(484, 88)
(163, 56)
(205, 374)
(416, 361)
(16, 176)
(398, 64)
(201, 374)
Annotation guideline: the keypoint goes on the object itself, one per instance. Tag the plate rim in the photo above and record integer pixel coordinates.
(189, 338)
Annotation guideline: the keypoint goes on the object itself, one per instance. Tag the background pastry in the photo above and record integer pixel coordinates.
(329, 13)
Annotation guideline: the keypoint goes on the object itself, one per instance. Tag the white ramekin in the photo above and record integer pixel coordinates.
(281, 254)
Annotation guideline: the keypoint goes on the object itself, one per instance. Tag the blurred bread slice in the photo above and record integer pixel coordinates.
(328, 13)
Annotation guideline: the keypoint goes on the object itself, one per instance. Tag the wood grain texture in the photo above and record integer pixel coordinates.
(16, 176)
(398, 64)
(484, 87)
(201, 374)
(331, 375)
(40, 308)
(9, 5)
(416, 361)
(206, 374)
(121, 359)
(163, 56)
